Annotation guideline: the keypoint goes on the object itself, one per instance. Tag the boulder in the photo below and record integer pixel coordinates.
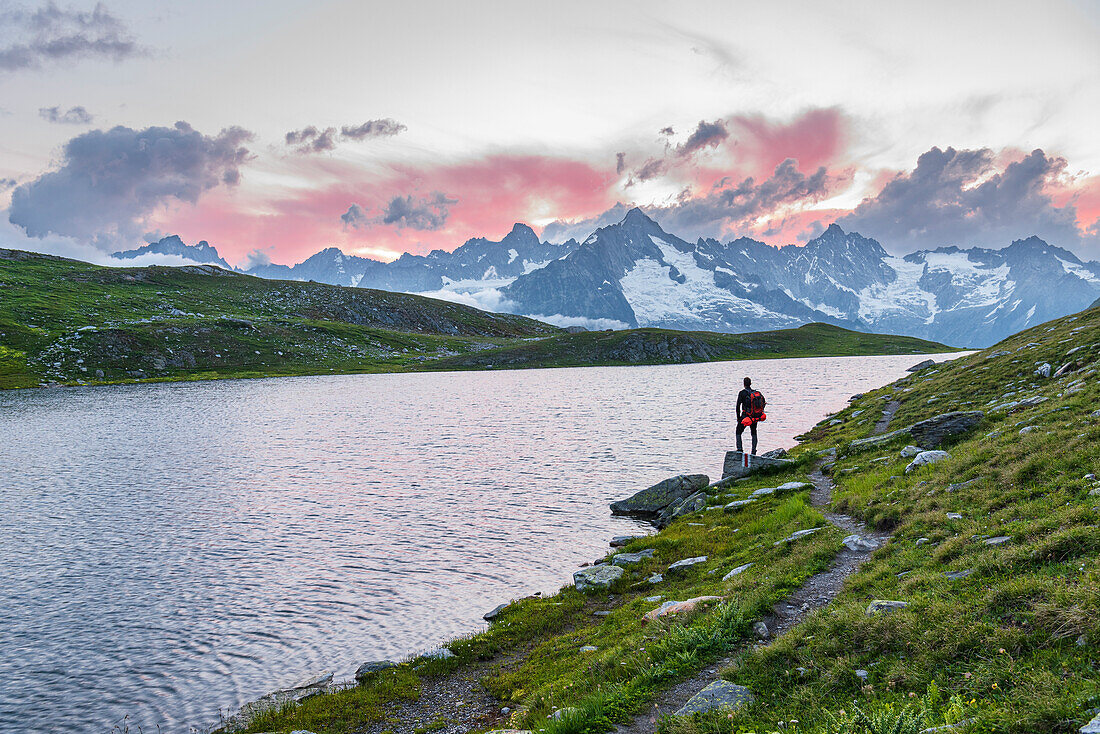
(796, 535)
(1093, 727)
(630, 559)
(774, 454)
(373, 666)
(794, 486)
(686, 563)
(934, 431)
(860, 544)
(678, 607)
(719, 695)
(596, 578)
(760, 629)
(926, 457)
(441, 653)
(620, 540)
(1028, 429)
(999, 540)
(494, 612)
(910, 451)
(679, 508)
(737, 571)
(921, 365)
(1043, 370)
(1064, 369)
(653, 500)
(734, 465)
(738, 504)
(883, 606)
(956, 575)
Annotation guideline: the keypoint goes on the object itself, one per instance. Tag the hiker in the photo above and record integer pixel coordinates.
(750, 411)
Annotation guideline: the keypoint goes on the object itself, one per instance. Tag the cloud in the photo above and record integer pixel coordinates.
(109, 181)
(423, 212)
(52, 34)
(561, 230)
(383, 128)
(312, 139)
(969, 197)
(620, 162)
(255, 259)
(355, 217)
(7, 183)
(706, 135)
(73, 116)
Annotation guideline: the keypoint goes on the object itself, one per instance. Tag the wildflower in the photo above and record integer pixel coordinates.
(1001, 650)
(994, 686)
(966, 675)
(912, 695)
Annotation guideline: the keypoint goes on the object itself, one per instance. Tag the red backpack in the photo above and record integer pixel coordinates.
(756, 407)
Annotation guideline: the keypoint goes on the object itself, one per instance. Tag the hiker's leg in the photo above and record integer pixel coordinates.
(754, 439)
(740, 430)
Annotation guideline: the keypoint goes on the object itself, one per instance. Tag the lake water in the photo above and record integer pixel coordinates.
(173, 550)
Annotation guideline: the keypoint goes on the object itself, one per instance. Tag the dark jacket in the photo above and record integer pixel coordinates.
(743, 403)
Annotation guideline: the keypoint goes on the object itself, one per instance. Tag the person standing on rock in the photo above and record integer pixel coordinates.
(750, 411)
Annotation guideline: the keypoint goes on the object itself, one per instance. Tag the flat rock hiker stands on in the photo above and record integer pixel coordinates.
(739, 464)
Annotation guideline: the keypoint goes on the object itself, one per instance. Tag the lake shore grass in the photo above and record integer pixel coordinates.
(63, 322)
(1006, 643)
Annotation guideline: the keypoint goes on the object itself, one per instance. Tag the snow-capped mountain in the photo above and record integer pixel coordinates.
(172, 245)
(634, 273)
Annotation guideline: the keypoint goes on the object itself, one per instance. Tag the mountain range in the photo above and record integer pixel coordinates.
(634, 273)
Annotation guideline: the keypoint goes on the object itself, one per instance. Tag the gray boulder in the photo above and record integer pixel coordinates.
(631, 559)
(653, 500)
(1044, 370)
(620, 540)
(736, 504)
(921, 365)
(1093, 727)
(910, 451)
(933, 432)
(884, 606)
(926, 457)
(686, 563)
(373, 666)
(859, 544)
(596, 578)
(679, 508)
(735, 464)
(998, 540)
(796, 535)
(719, 695)
(737, 571)
(494, 612)
(775, 454)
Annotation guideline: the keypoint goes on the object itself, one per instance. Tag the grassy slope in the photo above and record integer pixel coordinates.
(64, 321)
(1012, 647)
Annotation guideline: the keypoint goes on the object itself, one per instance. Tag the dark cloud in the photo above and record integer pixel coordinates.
(735, 206)
(52, 34)
(667, 131)
(8, 183)
(706, 135)
(620, 162)
(651, 169)
(560, 231)
(354, 217)
(422, 212)
(382, 128)
(73, 116)
(313, 139)
(965, 197)
(109, 181)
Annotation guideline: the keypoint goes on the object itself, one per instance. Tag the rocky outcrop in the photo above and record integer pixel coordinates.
(736, 466)
(719, 695)
(929, 433)
(883, 606)
(653, 500)
(596, 578)
(924, 458)
(921, 365)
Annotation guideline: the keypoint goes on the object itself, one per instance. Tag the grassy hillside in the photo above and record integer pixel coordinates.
(68, 322)
(660, 346)
(1006, 643)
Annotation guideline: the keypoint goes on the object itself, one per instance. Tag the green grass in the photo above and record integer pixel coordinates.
(67, 322)
(1010, 648)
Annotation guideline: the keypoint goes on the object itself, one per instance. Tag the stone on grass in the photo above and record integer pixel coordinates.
(652, 500)
(620, 540)
(934, 431)
(956, 575)
(597, 578)
(796, 535)
(373, 666)
(494, 612)
(860, 544)
(883, 606)
(686, 563)
(763, 492)
(738, 503)
(954, 516)
(678, 607)
(719, 695)
(924, 458)
(793, 486)
(509, 731)
(999, 540)
(588, 648)
(1093, 727)
(655, 578)
(1028, 429)
(862, 674)
(1044, 370)
(921, 365)
(737, 571)
(630, 559)
(442, 653)
(775, 454)
(910, 451)
(922, 541)
(761, 631)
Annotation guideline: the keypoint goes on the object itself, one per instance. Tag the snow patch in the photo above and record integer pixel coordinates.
(903, 297)
(591, 324)
(512, 255)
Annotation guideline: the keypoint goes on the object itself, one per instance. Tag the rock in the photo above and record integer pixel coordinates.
(734, 467)
(910, 451)
(998, 353)
(794, 486)
(1064, 369)
(862, 443)
(737, 571)
(678, 607)
(922, 541)
(956, 575)
(999, 540)
(921, 365)
(373, 666)
(860, 544)
(620, 540)
(763, 492)
(862, 674)
(954, 516)
(494, 612)
(596, 578)
(883, 606)
(442, 653)
(686, 563)
(719, 695)
(505, 710)
(738, 503)
(855, 397)
(630, 559)
(827, 452)
(948, 727)
(694, 503)
(774, 454)
(796, 535)
(761, 631)
(655, 578)
(926, 457)
(317, 680)
(1044, 370)
(934, 431)
(588, 648)
(1028, 429)
(562, 713)
(653, 500)
(1093, 727)
(1017, 405)
(654, 599)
